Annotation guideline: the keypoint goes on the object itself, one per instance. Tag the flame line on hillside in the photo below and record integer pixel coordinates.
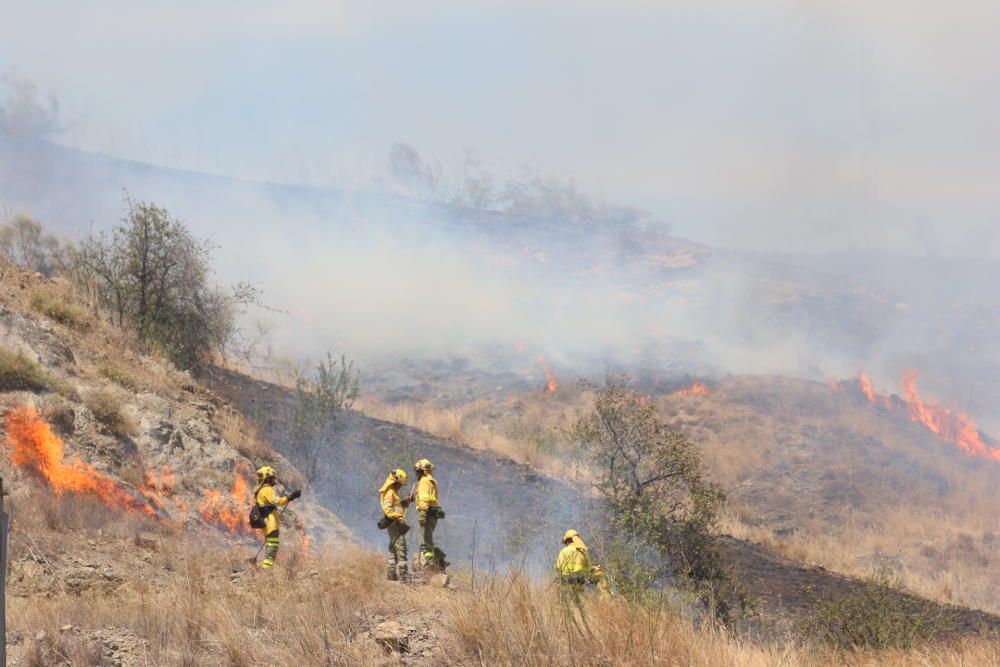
(38, 449)
(41, 452)
(952, 426)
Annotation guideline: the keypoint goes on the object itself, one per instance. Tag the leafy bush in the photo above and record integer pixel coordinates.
(152, 274)
(19, 373)
(877, 616)
(60, 308)
(24, 242)
(108, 410)
(660, 511)
(319, 402)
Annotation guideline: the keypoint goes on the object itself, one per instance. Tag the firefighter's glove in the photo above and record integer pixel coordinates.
(297, 493)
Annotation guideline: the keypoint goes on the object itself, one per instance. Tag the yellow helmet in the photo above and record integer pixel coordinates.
(423, 465)
(570, 534)
(400, 475)
(265, 472)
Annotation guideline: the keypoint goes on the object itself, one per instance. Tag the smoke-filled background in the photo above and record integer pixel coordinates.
(501, 180)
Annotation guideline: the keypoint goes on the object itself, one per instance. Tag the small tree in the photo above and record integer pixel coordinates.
(660, 509)
(23, 241)
(319, 403)
(153, 275)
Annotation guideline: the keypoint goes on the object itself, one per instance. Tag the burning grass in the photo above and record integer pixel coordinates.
(177, 601)
(36, 448)
(951, 425)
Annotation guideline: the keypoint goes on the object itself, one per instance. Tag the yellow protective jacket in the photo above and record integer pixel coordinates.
(266, 495)
(427, 493)
(573, 559)
(392, 505)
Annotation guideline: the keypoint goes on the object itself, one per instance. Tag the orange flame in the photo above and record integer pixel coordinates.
(696, 389)
(228, 510)
(551, 383)
(40, 450)
(953, 426)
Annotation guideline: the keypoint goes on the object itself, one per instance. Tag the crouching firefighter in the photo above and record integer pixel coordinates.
(425, 495)
(574, 569)
(265, 515)
(394, 521)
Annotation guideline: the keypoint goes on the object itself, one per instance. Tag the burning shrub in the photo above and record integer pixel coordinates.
(107, 407)
(18, 373)
(877, 616)
(660, 510)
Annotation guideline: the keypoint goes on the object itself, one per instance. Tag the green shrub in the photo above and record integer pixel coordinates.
(877, 616)
(660, 509)
(19, 373)
(61, 308)
(108, 410)
(120, 377)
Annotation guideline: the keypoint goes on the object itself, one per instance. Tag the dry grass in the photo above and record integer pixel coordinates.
(942, 534)
(179, 605)
(120, 376)
(109, 409)
(17, 372)
(516, 622)
(931, 555)
(531, 429)
(61, 306)
(243, 435)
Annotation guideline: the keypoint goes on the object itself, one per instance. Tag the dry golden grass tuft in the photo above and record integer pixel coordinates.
(531, 428)
(108, 407)
(243, 435)
(18, 372)
(512, 621)
(61, 306)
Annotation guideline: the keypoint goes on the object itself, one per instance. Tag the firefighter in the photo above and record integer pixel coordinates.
(268, 502)
(573, 563)
(425, 496)
(394, 520)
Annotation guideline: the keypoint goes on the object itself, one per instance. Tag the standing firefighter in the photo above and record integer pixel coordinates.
(426, 498)
(266, 515)
(394, 520)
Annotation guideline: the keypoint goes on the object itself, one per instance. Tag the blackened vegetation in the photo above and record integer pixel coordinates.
(660, 512)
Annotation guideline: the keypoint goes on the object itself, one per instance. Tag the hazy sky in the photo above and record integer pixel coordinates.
(781, 125)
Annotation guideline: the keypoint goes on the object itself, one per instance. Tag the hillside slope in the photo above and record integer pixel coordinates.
(524, 512)
(127, 429)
